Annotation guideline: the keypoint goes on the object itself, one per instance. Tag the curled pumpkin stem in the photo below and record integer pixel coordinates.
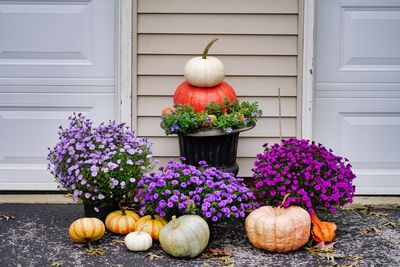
(205, 52)
(322, 231)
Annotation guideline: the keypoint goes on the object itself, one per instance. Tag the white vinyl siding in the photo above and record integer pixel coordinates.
(258, 44)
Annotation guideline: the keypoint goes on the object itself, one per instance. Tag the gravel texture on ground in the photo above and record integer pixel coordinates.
(37, 235)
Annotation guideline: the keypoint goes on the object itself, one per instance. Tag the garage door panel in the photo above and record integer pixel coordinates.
(365, 130)
(29, 124)
(358, 41)
(58, 38)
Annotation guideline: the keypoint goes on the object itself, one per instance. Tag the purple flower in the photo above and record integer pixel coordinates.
(175, 128)
(192, 194)
(310, 173)
(229, 130)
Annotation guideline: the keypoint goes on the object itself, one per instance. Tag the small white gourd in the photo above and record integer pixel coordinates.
(138, 241)
(186, 236)
(205, 71)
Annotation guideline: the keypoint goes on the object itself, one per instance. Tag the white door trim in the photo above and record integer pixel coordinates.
(123, 60)
(308, 70)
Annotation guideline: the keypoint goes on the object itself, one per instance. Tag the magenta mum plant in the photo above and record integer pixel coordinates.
(99, 165)
(314, 177)
(184, 189)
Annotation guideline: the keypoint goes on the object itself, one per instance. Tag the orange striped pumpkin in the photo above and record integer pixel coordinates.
(121, 222)
(86, 230)
(151, 225)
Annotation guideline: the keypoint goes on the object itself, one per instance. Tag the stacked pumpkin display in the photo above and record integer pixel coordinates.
(204, 83)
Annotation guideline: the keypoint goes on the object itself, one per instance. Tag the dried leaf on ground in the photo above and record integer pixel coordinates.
(56, 263)
(153, 256)
(370, 230)
(119, 241)
(95, 251)
(356, 262)
(6, 218)
(219, 254)
(379, 214)
(325, 251)
(390, 224)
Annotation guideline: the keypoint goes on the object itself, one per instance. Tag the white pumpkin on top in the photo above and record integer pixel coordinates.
(205, 71)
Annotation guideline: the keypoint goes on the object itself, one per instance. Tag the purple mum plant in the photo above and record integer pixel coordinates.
(99, 165)
(313, 176)
(184, 189)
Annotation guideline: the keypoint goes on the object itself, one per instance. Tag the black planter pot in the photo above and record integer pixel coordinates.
(217, 148)
(103, 212)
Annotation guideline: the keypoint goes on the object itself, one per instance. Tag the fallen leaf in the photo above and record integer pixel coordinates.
(219, 254)
(56, 263)
(390, 224)
(328, 246)
(95, 251)
(153, 256)
(6, 218)
(325, 251)
(370, 230)
(378, 214)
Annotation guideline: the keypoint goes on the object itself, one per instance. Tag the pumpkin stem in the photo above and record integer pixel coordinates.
(205, 52)
(175, 222)
(121, 208)
(89, 245)
(284, 200)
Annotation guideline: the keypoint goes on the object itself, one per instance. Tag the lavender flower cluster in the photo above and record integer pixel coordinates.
(184, 189)
(99, 165)
(313, 176)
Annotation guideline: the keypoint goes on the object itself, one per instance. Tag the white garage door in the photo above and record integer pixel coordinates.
(56, 57)
(357, 104)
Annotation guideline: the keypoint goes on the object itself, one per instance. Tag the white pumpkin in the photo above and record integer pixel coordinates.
(204, 71)
(138, 241)
(186, 236)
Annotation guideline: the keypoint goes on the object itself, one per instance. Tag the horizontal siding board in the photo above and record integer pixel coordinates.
(234, 65)
(217, 24)
(245, 164)
(244, 86)
(226, 45)
(220, 6)
(152, 106)
(150, 126)
(248, 146)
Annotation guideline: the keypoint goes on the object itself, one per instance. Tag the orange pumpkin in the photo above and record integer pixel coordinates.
(322, 231)
(278, 229)
(121, 222)
(167, 111)
(199, 97)
(151, 225)
(86, 230)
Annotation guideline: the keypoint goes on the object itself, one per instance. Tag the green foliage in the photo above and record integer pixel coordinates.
(230, 116)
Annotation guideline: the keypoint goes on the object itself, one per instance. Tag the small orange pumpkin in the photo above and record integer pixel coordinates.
(121, 222)
(167, 111)
(278, 229)
(322, 231)
(86, 230)
(151, 225)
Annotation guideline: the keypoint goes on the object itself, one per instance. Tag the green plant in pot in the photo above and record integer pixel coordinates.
(207, 115)
(99, 166)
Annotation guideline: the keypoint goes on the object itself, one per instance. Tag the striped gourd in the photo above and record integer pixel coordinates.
(151, 225)
(122, 221)
(86, 230)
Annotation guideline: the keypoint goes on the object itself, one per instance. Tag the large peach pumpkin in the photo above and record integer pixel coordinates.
(278, 229)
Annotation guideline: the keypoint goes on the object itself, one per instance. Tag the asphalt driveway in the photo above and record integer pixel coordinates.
(37, 235)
